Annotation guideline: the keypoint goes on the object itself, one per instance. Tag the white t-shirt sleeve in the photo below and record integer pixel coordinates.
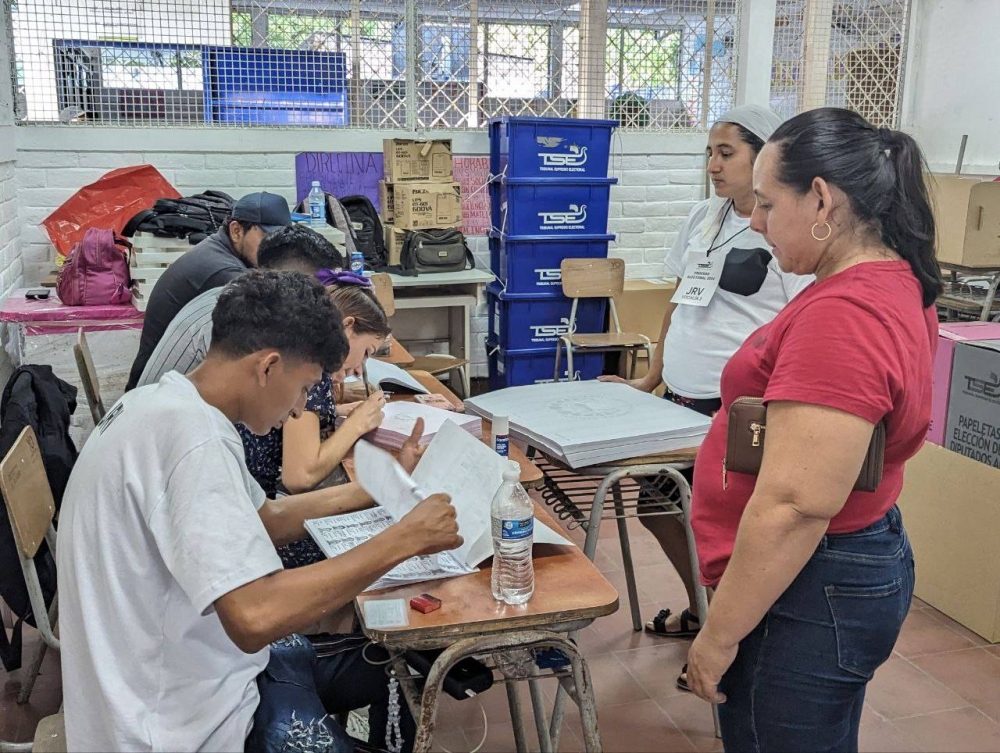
(795, 284)
(207, 528)
(674, 263)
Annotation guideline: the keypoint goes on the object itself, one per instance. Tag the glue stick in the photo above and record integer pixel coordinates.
(501, 435)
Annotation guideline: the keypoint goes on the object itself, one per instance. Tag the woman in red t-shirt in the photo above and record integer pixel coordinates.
(813, 579)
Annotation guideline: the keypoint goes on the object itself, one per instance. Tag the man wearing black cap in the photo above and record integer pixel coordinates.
(215, 261)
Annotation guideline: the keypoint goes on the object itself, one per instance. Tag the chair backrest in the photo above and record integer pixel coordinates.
(88, 376)
(26, 491)
(592, 278)
(383, 292)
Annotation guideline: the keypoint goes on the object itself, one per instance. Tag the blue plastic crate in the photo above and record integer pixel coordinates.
(516, 368)
(524, 322)
(530, 265)
(274, 86)
(551, 207)
(550, 147)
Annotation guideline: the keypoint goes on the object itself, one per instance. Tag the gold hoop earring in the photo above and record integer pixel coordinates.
(829, 232)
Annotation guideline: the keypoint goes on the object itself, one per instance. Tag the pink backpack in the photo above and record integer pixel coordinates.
(96, 272)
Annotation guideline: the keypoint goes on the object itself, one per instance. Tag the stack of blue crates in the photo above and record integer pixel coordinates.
(549, 200)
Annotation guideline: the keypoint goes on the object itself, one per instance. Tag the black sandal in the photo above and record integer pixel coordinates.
(690, 625)
(682, 681)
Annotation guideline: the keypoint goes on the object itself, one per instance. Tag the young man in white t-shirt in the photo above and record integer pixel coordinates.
(170, 587)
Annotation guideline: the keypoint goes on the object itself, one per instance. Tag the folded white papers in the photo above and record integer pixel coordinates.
(456, 464)
(387, 375)
(400, 418)
(589, 423)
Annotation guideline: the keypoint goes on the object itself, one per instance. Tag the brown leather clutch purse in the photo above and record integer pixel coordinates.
(745, 444)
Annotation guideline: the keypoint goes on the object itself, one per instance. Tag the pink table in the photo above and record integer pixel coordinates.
(51, 317)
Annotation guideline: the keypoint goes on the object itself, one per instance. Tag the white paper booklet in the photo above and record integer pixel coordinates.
(587, 423)
(341, 533)
(455, 463)
(400, 418)
(387, 375)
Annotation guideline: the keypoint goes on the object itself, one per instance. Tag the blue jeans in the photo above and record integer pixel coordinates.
(799, 679)
(299, 691)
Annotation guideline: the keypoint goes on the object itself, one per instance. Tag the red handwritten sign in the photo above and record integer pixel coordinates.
(472, 173)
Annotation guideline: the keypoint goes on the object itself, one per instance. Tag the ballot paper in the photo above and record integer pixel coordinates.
(400, 418)
(588, 423)
(338, 534)
(455, 463)
(470, 472)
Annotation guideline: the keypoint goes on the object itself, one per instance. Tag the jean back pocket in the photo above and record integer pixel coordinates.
(867, 620)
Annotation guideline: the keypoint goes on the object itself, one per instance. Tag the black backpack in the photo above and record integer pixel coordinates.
(367, 225)
(192, 218)
(34, 397)
(336, 216)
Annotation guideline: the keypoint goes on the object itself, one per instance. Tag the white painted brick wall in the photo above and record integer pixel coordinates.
(654, 193)
(11, 262)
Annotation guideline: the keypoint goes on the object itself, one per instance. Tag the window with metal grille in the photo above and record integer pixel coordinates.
(843, 53)
(415, 64)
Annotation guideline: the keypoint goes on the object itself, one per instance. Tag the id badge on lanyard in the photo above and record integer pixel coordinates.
(701, 279)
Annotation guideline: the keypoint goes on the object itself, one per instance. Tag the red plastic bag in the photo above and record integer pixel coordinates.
(109, 202)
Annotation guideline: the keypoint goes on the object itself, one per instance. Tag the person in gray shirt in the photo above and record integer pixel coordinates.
(217, 260)
(186, 340)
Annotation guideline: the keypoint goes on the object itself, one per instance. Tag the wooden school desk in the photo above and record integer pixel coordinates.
(570, 593)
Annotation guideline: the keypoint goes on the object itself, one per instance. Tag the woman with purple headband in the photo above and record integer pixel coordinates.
(306, 453)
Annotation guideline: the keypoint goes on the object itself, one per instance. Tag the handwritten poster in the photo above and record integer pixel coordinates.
(350, 173)
(339, 173)
(472, 173)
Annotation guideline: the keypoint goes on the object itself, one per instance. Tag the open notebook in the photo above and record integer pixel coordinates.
(455, 463)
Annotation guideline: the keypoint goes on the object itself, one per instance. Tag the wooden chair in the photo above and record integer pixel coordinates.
(50, 737)
(434, 363)
(597, 278)
(31, 510)
(382, 284)
(88, 377)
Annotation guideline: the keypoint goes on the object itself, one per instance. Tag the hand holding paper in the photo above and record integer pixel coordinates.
(434, 524)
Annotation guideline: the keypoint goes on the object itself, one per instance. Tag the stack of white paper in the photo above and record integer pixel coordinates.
(400, 418)
(589, 423)
(456, 464)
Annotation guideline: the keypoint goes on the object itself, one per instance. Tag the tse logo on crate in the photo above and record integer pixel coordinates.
(570, 161)
(572, 219)
(547, 332)
(549, 276)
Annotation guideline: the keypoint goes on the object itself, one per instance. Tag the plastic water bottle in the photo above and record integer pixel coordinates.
(513, 517)
(357, 262)
(317, 205)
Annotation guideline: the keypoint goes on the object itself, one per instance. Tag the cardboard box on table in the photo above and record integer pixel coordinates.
(967, 215)
(411, 160)
(425, 206)
(394, 238)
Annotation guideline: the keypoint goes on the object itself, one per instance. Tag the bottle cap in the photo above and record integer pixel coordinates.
(315, 183)
(501, 425)
(512, 472)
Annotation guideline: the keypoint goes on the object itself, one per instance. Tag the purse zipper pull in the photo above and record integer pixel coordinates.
(725, 478)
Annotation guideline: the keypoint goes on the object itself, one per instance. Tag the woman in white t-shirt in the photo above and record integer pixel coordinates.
(702, 330)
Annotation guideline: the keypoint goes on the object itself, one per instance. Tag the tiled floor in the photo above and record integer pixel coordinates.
(940, 691)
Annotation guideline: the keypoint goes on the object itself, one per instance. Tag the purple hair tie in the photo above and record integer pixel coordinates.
(338, 277)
